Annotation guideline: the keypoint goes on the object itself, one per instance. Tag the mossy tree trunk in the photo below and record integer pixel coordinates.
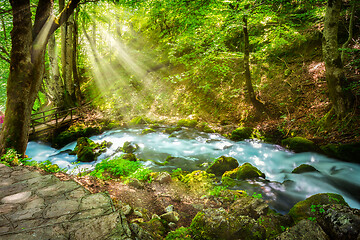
(341, 98)
(27, 67)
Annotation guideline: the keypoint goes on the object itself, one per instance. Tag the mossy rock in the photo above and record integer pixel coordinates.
(303, 168)
(72, 134)
(129, 147)
(156, 227)
(187, 123)
(148, 130)
(204, 127)
(274, 224)
(139, 121)
(221, 165)
(249, 206)
(245, 171)
(219, 224)
(171, 130)
(181, 233)
(303, 209)
(300, 144)
(199, 181)
(345, 152)
(130, 157)
(85, 150)
(241, 133)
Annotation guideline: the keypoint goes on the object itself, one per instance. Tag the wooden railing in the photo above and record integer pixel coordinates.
(51, 119)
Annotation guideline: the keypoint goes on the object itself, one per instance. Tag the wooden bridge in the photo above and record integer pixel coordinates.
(47, 122)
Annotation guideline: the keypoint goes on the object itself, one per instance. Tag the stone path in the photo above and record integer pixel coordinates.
(36, 206)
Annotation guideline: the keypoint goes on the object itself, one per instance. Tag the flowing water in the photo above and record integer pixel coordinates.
(193, 150)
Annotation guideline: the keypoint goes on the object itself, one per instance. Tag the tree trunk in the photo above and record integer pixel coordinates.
(74, 59)
(26, 68)
(259, 106)
(69, 84)
(55, 87)
(341, 98)
(15, 129)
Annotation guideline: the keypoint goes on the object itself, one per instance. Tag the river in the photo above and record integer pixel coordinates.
(193, 150)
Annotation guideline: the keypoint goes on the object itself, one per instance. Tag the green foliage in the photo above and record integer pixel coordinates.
(142, 174)
(257, 196)
(11, 157)
(217, 190)
(116, 167)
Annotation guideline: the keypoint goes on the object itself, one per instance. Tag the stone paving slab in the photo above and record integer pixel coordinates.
(36, 206)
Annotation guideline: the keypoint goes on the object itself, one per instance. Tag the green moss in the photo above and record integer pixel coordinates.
(72, 134)
(299, 144)
(302, 209)
(187, 123)
(245, 171)
(303, 168)
(204, 127)
(148, 130)
(345, 152)
(181, 233)
(199, 181)
(172, 129)
(241, 133)
(139, 121)
(130, 157)
(221, 165)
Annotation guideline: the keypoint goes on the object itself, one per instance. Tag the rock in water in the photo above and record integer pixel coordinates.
(221, 165)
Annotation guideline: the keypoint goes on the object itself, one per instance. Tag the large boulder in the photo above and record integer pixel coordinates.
(219, 224)
(303, 168)
(221, 165)
(345, 152)
(310, 207)
(304, 230)
(241, 133)
(87, 150)
(249, 206)
(300, 144)
(129, 147)
(245, 171)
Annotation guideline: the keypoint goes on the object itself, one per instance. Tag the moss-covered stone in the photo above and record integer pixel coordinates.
(204, 127)
(187, 123)
(84, 150)
(199, 181)
(171, 130)
(139, 121)
(241, 133)
(345, 152)
(249, 206)
(300, 144)
(304, 209)
(245, 171)
(129, 147)
(130, 157)
(305, 229)
(303, 168)
(72, 134)
(156, 227)
(181, 233)
(221, 165)
(148, 130)
(219, 224)
(274, 224)
(87, 150)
